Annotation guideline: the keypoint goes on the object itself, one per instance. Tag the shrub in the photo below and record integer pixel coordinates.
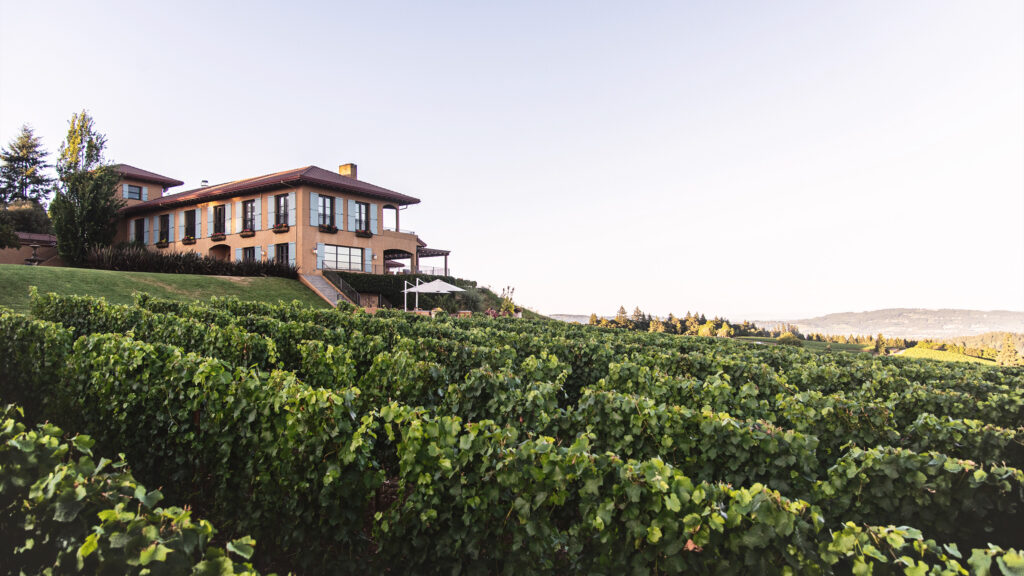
(789, 339)
(136, 258)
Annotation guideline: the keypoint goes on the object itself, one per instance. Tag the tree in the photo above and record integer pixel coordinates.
(23, 169)
(1007, 352)
(880, 345)
(29, 216)
(593, 319)
(789, 339)
(620, 316)
(84, 210)
(8, 239)
(725, 331)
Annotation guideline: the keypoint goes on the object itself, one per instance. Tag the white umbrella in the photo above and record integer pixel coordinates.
(435, 287)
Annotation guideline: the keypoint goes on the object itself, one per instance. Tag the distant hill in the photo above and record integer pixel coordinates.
(571, 318)
(914, 323)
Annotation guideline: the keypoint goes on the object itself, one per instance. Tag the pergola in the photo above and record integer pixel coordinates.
(392, 258)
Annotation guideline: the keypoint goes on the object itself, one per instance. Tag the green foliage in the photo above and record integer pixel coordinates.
(486, 445)
(85, 208)
(136, 258)
(23, 169)
(789, 339)
(8, 238)
(63, 512)
(29, 216)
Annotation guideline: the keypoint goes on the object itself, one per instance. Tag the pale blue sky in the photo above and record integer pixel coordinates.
(747, 159)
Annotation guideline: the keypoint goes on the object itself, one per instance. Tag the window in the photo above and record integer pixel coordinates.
(190, 223)
(281, 209)
(343, 258)
(362, 216)
(249, 215)
(326, 211)
(281, 253)
(218, 219)
(165, 227)
(249, 254)
(139, 230)
(133, 192)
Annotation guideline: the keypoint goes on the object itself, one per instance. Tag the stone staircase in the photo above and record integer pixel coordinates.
(324, 289)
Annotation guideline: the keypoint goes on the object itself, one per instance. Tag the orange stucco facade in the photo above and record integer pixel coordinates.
(360, 243)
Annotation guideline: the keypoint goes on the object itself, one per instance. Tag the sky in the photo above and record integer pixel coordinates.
(753, 160)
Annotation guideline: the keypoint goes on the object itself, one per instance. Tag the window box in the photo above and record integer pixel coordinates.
(364, 234)
(247, 233)
(328, 229)
(188, 240)
(162, 244)
(218, 236)
(281, 228)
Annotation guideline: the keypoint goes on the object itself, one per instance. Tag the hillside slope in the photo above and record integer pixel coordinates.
(117, 287)
(912, 322)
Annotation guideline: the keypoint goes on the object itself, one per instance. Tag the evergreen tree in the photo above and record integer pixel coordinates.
(23, 169)
(593, 319)
(84, 210)
(620, 316)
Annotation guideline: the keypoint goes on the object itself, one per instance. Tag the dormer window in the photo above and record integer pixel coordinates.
(132, 192)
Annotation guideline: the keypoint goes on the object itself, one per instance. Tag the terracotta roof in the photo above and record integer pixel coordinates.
(310, 175)
(145, 175)
(28, 238)
(428, 252)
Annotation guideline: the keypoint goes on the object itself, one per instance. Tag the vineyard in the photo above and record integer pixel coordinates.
(335, 442)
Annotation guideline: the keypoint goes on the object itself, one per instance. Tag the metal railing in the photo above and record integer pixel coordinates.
(399, 230)
(344, 287)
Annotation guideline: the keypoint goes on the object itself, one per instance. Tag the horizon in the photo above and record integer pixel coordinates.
(755, 162)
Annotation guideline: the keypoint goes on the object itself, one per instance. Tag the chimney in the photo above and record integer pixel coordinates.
(204, 183)
(348, 170)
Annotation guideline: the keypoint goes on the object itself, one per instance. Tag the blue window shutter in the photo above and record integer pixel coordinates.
(368, 262)
(291, 247)
(170, 227)
(181, 224)
(209, 221)
(238, 254)
(373, 219)
(291, 208)
(270, 252)
(258, 206)
(320, 249)
(339, 213)
(270, 212)
(145, 193)
(237, 225)
(314, 209)
(352, 215)
(145, 230)
(154, 232)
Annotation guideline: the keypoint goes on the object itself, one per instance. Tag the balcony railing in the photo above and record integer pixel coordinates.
(399, 230)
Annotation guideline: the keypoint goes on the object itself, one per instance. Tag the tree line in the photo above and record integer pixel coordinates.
(78, 205)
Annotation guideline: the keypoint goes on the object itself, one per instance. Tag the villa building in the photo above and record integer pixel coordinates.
(311, 218)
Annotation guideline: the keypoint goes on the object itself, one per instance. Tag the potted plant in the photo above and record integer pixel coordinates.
(162, 243)
(218, 236)
(281, 228)
(188, 240)
(328, 228)
(247, 233)
(364, 234)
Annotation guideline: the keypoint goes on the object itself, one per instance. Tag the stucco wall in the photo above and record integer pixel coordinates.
(304, 234)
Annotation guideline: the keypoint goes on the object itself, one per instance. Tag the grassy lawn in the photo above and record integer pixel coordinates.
(944, 355)
(117, 287)
(817, 346)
